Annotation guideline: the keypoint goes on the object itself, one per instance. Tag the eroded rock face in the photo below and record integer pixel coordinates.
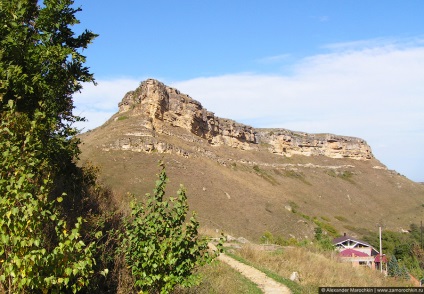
(164, 104)
(159, 105)
(289, 143)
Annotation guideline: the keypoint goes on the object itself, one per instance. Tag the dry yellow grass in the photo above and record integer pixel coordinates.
(317, 269)
(248, 192)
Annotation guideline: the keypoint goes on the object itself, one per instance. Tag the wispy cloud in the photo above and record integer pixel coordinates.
(324, 18)
(377, 43)
(274, 59)
(320, 18)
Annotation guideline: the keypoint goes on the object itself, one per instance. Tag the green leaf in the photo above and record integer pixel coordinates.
(104, 272)
(98, 234)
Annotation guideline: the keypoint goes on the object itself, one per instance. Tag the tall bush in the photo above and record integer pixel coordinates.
(160, 247)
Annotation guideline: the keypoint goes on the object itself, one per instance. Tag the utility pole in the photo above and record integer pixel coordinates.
(421, 231)
(381, 251)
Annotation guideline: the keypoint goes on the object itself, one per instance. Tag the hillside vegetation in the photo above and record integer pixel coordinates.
(256, 191)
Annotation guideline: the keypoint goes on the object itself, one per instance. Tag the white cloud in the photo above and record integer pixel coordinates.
(373, 90)
(98, 103)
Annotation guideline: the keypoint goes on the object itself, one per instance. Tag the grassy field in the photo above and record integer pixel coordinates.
(316, 269)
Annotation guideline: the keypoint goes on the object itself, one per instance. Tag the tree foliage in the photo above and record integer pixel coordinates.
(160, 248)
(323, 240)
(41, 67)
(41, 56)
(405, 247)
(396, 270)
(37, 250)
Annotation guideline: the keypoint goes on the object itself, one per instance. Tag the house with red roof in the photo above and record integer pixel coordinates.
(358, 252)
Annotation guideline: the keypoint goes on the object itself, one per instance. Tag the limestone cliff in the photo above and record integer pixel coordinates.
(159, 106)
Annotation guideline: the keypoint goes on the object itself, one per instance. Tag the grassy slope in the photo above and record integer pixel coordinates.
(251, 193)
(316, 269)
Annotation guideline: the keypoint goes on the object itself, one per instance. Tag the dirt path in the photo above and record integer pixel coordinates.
(266, 284)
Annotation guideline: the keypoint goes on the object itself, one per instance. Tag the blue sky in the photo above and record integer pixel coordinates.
(352, 68)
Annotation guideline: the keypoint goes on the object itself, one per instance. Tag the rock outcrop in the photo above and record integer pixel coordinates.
(158, 106)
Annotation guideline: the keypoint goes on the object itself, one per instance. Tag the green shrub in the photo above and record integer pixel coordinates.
(267, 238)
(296, 175)
(341, 218)
(344, 175)
(325, 218)
(327, 227)
(160, 248)
(266, 176)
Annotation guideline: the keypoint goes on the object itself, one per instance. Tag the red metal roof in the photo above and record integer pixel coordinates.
(353, 252)
(377, 258)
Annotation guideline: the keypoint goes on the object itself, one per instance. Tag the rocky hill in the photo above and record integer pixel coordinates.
(160, 106)
(246, 180)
